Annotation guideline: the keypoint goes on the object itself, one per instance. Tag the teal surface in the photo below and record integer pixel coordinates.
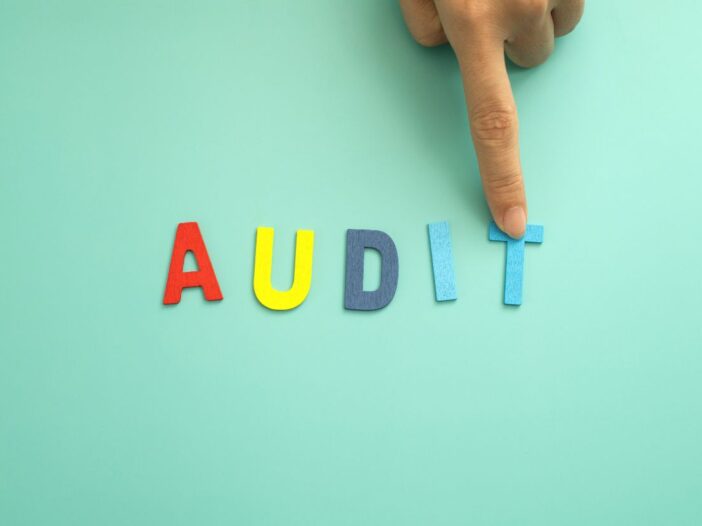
(120, 119)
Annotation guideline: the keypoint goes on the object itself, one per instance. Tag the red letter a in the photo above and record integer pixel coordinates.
(189, 239)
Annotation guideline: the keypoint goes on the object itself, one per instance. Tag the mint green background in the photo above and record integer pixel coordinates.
(120, 119)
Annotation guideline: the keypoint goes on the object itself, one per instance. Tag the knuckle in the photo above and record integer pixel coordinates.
(565, 21)
(494, 123)
(529, 58)
(532, 9)
(579, 5)
(430, 39)
(468, 12)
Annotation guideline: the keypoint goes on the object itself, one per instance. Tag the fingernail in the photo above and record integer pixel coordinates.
(514, 222)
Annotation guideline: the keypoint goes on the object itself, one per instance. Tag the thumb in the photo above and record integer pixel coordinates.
(494, 127)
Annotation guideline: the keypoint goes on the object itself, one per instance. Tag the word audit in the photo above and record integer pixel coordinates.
(189, 239)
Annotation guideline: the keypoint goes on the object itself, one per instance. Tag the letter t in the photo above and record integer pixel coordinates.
(514, 265)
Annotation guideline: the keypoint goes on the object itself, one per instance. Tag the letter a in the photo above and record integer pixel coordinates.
(302, 277)
(189, 239)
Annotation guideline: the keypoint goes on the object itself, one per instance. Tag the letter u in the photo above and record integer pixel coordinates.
(302, 277)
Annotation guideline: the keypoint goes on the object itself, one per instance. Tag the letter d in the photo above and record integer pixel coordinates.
(357, 241)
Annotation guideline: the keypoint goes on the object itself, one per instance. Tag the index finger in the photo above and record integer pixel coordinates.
(494, 125)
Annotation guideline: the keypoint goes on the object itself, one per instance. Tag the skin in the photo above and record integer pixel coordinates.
(481, 32)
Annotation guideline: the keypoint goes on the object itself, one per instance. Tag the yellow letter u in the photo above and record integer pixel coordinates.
(302, 277)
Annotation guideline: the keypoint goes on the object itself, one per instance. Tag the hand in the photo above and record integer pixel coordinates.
(481, 32)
